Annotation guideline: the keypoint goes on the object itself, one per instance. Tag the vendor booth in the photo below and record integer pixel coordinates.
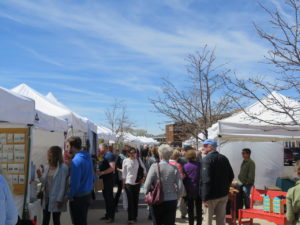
(25, 136)
(264, 139)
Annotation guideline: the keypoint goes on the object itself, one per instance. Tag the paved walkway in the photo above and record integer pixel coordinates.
(97, 211)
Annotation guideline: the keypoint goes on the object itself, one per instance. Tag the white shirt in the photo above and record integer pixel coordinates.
(130, 168)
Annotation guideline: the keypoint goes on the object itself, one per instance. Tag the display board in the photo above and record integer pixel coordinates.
(14, 156)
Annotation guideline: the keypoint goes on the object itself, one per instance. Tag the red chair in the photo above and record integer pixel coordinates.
(257, 195)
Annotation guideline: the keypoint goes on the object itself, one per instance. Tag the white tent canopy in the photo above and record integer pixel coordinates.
(105, 134)
(19, 109)
(91, 125)
(16, 108)
(265, 140)
(138, 140)
(239, 126)
(44, 105)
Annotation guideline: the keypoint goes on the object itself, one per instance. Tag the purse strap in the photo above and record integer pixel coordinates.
(158, 169)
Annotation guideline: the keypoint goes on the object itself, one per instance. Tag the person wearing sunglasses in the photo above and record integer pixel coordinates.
(131, 183)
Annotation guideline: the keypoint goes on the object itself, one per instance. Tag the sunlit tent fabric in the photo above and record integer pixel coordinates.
(240, 125)
(105, 133)
(138, 140)
(44, 105)
(148, 141)
(16, 108)
(265, 140)
(91, 134)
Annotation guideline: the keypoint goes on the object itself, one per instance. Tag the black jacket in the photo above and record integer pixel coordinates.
(217, 176)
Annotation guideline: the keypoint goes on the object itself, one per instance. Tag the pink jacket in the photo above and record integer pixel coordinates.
(179, 167)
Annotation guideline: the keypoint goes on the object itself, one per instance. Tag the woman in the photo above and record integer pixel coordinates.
(293, 200)
(165, 213)
(153, 157)
(132, 187)
(174, 161)
(54, 180)
(8, 211)
(191, 183)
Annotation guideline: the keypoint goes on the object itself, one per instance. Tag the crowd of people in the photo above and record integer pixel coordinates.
(195, 182)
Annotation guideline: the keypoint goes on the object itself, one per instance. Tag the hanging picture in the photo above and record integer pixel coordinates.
(19, 138)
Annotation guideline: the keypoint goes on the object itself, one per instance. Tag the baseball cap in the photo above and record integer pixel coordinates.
(211, 142)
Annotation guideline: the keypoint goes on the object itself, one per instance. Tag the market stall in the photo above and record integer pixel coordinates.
(22, 126)
(265, 140)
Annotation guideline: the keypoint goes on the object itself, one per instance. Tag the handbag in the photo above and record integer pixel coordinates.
(140, 172)
(98, 184)
(40, 194)
(155, 196)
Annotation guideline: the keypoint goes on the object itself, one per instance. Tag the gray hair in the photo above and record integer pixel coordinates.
(165, 151)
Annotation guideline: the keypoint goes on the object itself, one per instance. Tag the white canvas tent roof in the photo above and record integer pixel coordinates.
(44, 105)
(105, 134)
(265, 140)
(91, 125)
(139, 140)
(18, 109)
(240, 127)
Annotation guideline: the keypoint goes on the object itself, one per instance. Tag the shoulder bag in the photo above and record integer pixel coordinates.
(155, 196)
(140, 172)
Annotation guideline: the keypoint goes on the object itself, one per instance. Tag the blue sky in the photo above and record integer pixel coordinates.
(87, 53)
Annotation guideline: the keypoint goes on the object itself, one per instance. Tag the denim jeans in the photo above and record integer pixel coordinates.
(246, 196)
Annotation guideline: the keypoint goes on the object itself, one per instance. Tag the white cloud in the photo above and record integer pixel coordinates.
(42, 57)
(100, 23)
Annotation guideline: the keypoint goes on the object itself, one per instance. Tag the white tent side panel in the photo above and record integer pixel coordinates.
(268, 158)
(40, 143)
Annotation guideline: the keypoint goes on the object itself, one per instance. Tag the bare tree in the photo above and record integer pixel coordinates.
(118, 119)
(202, 103)
(282, 33)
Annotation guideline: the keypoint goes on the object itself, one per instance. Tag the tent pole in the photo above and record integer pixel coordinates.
(25, 210)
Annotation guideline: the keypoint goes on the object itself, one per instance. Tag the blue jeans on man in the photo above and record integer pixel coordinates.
(246, 196)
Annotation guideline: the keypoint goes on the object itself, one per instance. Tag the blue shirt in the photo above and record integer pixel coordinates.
(82, 175)
(8, 211)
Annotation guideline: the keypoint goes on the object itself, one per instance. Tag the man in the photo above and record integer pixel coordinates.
(247, 175)
(144, 153)
(106, 172)
(81, 181)
(217, 176)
